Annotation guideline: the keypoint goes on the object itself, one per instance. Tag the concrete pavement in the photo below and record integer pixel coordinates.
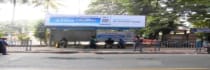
(104, 51)
(91, 61)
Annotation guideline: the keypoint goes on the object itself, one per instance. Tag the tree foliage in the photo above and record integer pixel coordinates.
(158, 18)
(162, 15)
(41, 32)
(1, 34)
(47, 4)
(196, 10)
(106, 7)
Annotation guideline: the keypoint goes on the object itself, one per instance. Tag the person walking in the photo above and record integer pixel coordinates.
(3, 45)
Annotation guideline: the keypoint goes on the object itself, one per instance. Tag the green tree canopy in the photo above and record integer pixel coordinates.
(41, 32)
(106, 7)
(162, 15)
(47, 4)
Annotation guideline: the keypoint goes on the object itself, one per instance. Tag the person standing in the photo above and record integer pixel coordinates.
(64, 42)
(157, 44)
(121, 43)
(93, 42)
(206, 45)
(3, 45)
(198, 45)
(138, 43)
(208, 49)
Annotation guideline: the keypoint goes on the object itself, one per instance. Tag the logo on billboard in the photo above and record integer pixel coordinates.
(105, 20)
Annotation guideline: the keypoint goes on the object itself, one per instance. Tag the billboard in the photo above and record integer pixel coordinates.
(104, 35)
(96, 21)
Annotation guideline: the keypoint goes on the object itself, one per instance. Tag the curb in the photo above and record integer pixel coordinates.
(101, 52)
(42, 52)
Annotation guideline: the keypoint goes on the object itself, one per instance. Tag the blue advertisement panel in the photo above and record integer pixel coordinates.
(116, 35)
(99, 21)
(113, 36)
(74, 20)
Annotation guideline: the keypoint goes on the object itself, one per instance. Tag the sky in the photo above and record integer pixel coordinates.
(26, 12)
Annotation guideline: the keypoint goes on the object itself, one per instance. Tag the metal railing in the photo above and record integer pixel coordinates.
(177, 44)
(24, 45)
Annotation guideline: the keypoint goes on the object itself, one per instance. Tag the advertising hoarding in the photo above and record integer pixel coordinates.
(104, 35)
(96, 21)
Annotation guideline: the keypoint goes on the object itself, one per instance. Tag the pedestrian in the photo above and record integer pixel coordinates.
(208, 49)
(198, 45)
(157, 44)
(138, 43)
(121, 43)
(3, 45)
(93, 42)
(206, 45)
(63, 42)
(109, 43)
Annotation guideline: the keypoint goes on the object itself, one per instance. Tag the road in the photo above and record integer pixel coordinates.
(91, 61)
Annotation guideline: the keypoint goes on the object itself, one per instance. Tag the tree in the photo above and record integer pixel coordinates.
(40, 32)
(197, 13)
(195, 10)
(150, 8)
(159, 18)
(47, 4)
(106, 7)
(14, 2)
(1, 34)
(162, 15)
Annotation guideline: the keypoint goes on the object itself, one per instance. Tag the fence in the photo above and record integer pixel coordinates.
(170, 44)
(24, 45)
(178, 44)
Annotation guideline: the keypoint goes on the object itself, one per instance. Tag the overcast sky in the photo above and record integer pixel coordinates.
(25, 12)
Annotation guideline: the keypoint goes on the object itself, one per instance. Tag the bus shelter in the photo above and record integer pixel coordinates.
(82, 27)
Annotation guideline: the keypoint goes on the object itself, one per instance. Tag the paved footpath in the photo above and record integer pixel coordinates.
(103, 51)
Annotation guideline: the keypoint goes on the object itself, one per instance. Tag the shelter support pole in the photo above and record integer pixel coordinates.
(50, 38)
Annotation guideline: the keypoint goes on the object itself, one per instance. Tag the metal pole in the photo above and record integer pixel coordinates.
(30, 44)
(25, 44)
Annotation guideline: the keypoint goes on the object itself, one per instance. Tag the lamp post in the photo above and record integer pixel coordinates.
(160, 36)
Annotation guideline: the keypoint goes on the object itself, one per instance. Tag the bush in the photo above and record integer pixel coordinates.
(1, 34)
(23, 36)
